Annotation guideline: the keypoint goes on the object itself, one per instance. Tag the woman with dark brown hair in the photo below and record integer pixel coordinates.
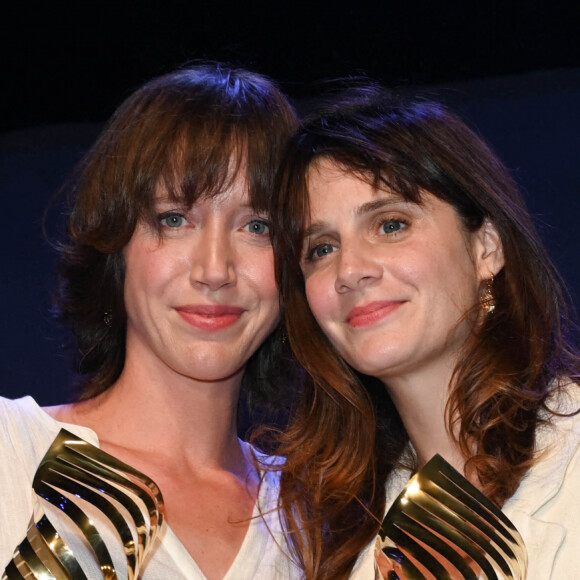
(167, 280)
(421, 302)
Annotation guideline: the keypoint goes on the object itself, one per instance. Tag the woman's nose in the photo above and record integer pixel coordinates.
(357, 268)
(213, 260)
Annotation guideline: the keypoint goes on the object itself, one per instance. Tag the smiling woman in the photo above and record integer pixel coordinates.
(208, 327)
(167, 281)
(395, 278)
(434, 328)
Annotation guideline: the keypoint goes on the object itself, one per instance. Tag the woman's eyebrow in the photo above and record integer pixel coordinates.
(371, 206)
(314, 229)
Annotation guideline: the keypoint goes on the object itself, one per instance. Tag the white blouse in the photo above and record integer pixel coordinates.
(27, 432)
(545, 508)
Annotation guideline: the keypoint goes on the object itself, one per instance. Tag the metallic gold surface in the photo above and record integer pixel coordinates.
(73, 468)
(444, 528)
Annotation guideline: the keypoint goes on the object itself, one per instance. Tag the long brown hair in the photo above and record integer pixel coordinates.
(347, 437)
(182, 130)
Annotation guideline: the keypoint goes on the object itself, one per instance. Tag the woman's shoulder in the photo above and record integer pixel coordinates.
(544, 508)
(557, 449)
(557, 440)
(561, 415)
(24, 418)
(26, 431)
(23, 406)
(25, 435)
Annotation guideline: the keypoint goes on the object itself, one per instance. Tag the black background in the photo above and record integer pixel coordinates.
(76, 61)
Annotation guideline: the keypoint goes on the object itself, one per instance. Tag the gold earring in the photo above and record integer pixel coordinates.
(487, 299)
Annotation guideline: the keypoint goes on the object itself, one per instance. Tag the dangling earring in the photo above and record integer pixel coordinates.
(487, 299)
(108, 318)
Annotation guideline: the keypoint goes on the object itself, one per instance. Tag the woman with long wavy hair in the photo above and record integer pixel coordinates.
(431, 321)
(166, 278)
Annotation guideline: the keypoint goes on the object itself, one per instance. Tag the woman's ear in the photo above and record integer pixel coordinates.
(488, 250)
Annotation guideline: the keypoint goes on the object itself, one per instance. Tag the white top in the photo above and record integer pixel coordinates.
(27, 432)
(545, 508)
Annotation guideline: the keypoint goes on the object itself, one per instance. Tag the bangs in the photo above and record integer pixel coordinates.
(385, 173)
(408, 151)
(204, 162)
(381, 177)
(408, 178)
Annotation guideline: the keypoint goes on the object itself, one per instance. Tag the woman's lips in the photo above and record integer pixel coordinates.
(210, 317)
(371, 312)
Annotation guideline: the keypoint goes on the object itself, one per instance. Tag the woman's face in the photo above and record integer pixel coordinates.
(390, 281)
(202, 298)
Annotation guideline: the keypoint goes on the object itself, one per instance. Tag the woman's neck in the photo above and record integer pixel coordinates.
(421, 401)
(158, 412)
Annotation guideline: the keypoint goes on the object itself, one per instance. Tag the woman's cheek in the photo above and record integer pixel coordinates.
(318, 298)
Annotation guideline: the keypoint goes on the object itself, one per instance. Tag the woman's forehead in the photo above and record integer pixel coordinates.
(329, 170)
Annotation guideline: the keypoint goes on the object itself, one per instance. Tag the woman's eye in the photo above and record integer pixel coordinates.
(392, 226)
(320, 251)
(171, 219)
(258, 227)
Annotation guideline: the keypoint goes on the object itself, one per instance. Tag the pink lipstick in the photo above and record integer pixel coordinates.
(371, 312)
(210, 316)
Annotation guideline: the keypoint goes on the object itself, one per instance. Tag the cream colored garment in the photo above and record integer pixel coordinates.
(545, 508)
(26, 433)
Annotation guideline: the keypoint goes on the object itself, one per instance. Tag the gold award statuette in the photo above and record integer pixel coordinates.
(74, 468)
(441, 527)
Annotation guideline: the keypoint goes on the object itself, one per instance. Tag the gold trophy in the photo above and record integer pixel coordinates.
(441, 527)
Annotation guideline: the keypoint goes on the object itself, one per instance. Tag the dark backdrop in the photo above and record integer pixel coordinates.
(512, 71)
